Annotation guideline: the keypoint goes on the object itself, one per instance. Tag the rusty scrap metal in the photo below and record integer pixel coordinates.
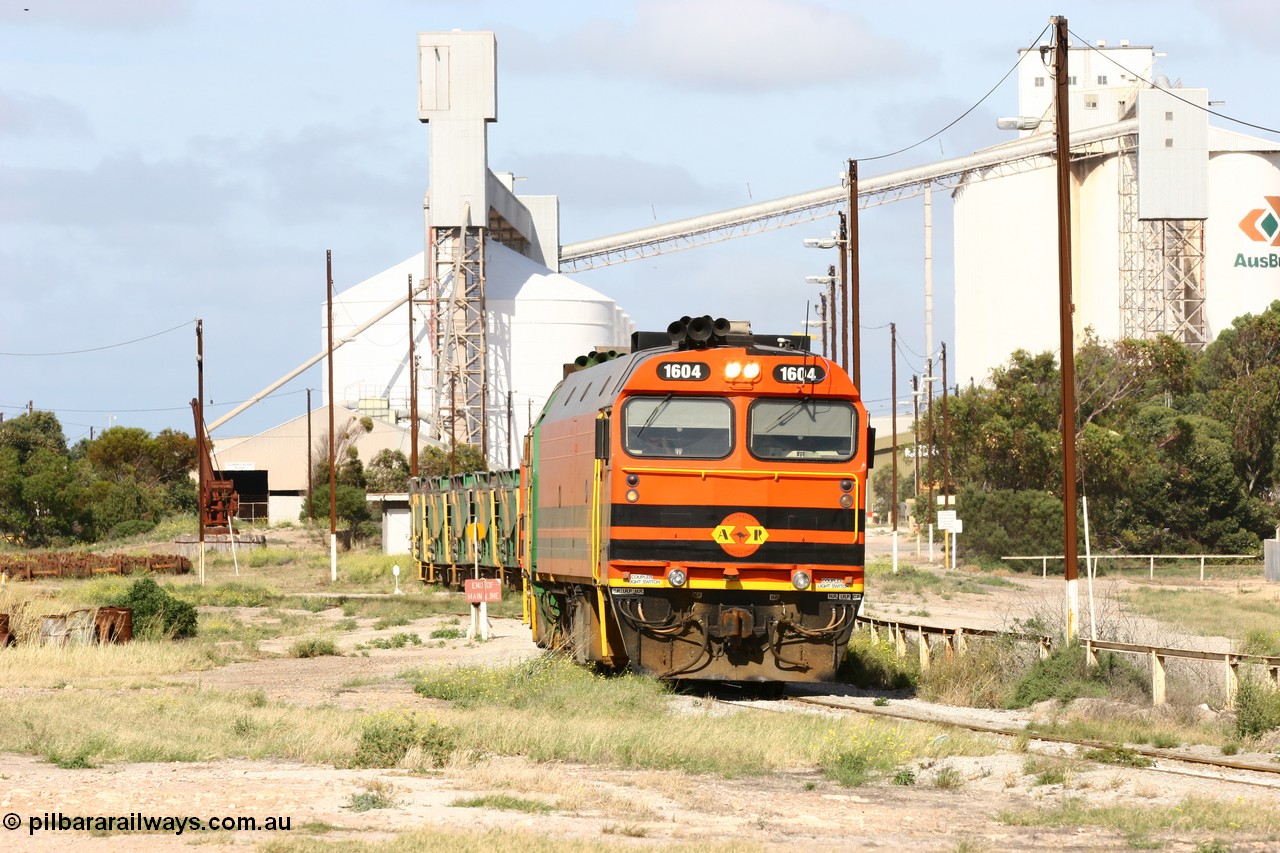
(33, 566)
(77, 628)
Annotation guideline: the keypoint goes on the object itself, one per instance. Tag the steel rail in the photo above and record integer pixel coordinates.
(1148, 752)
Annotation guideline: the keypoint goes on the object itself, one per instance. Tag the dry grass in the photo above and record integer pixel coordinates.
(109, 666)
(526, 777)
(497, 841)
(1193, 814)
(176, 725)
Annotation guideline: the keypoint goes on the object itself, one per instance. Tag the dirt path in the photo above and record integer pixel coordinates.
(605, 808)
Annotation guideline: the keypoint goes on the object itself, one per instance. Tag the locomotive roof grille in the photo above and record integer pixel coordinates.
(695, 333)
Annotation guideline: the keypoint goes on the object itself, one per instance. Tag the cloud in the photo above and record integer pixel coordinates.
(614, 181)
(723, 45)
(324, 171)
(120, 190)
(91, 15)
(33, 115)
(1246, 22)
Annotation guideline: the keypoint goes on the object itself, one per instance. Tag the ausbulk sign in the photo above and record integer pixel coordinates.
(1262, 225)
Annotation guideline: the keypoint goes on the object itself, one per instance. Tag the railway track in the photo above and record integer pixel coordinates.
(1170, 761)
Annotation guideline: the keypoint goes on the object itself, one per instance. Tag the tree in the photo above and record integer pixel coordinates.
(1239, 376)
(350, 470)
(40, 495)
(1113, 379)
(1006, 436)
(435, 461)
(388, 472)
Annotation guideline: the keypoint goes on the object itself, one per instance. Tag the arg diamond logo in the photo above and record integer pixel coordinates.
(1262, 225)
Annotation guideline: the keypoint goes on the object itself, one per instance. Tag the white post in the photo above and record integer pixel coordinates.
(395, 571)
(930, 542)
(333, 557)
(954, 561)
(231, 534)
(1089, 566)
(895, 552)
(1073, 608)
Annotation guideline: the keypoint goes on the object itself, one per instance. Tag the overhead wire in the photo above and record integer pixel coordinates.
(96, 349)
(960, 117)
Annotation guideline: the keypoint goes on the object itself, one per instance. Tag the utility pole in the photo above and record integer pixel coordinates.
(915, 429)
(854, 325)
(511, 426)
(413, 392)
(947, 535)
(931, 515)
(893, 387)
(822, 321)
(835, 315)
(333, 475)
(311, 501)
(1062, 135)
(946, 436)
(202, 452)
(842, 243)
(928, 268)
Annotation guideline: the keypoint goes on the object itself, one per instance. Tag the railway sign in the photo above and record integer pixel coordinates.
(483, 590)
(946, 518)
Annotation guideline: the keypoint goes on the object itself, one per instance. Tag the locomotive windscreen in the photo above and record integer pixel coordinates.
(693, 427)
(802, 429)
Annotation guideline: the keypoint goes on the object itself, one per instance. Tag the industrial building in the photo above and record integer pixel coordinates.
(1175, 227)
(1174, 221)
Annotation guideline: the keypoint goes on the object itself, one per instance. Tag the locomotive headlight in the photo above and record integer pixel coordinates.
(632, 496)
(751, 370)
(846, 501)
(677, 577)
(800, 579)
(732, 370)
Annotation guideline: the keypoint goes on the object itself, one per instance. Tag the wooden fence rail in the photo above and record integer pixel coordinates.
(899, 632)
(1151, 558)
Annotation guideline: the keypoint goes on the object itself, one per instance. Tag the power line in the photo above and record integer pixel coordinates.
(96, 349)
(960, 117)
(113, 411)
(1170, 92)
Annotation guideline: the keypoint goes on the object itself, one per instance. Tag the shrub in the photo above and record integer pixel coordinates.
(313, 647)
(132, 527)
(979, 677)
(876, 665)
(1006, 522)
(1257, 708)
(156, 613)
(1064, 676)
(387, 737)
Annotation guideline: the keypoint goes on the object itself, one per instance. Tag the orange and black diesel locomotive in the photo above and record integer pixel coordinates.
(695, 509)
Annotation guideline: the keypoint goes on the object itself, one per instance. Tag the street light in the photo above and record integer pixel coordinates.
(1018, 123)
(838, 240)
(830, 281)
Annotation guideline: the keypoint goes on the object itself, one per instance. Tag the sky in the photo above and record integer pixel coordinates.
(168, 160)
